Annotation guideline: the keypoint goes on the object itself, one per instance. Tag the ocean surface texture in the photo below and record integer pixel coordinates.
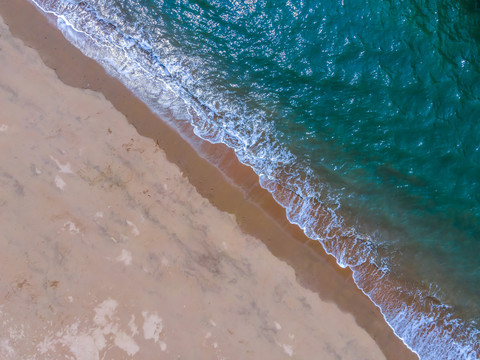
(361, 117)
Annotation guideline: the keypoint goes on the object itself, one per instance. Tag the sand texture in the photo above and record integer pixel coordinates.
(108, 252)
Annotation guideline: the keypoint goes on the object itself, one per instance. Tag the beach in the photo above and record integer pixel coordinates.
(120, 239)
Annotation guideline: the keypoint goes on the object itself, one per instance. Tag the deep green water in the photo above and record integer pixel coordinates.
(368, 111)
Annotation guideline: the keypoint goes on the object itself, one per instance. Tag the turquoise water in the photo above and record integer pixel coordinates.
(361, 117)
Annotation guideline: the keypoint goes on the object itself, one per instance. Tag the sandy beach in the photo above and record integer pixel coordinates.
(121, 240)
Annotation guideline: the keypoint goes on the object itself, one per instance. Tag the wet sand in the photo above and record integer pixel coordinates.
(110, 251)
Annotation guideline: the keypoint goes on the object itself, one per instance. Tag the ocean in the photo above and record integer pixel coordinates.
(361, 117)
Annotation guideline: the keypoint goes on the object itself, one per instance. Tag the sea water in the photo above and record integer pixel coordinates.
(362, 117)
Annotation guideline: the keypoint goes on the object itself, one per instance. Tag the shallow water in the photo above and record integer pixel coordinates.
(361, 117)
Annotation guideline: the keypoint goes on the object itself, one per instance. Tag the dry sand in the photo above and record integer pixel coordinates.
(109, 252)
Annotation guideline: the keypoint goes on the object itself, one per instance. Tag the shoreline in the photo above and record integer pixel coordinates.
(238, 193)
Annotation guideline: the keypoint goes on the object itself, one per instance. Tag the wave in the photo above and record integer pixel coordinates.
(169, 82)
